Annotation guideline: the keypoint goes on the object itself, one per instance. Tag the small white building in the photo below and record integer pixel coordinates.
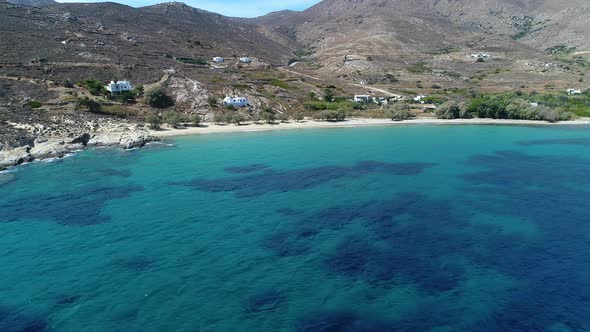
(419, 98)
(235, 101)
(119, 86)
(574, 92)
(218, 59)
(480, 55)
(534, 104)
(245, 60)
(362, 98)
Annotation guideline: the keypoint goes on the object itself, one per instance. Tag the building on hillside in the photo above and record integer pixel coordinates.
(362, 98)
(419, 98)
(218, 59)
(245, 60)
(235, 101)
(574, 92)
(119, 87)
(480, 55)
(534, 104)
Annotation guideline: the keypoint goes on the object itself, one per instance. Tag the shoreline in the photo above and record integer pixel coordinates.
(209, 128)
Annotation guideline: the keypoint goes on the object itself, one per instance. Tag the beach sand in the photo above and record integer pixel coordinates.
(210, 128)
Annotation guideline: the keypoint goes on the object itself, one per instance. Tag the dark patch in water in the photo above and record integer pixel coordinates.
(553, 268)
(289, 212)
(563, 141)
(290, 242)
(123, 173)
(271, 180)
(264, 301)
(136, 263)
(75, 208)
(246, 169)
(342, 321)
(12, 320)
(67, 299)
(409, 238)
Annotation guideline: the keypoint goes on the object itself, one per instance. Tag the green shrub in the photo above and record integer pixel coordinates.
(452, 110)
(34, 104)
(154, 121)
(418, 68)
(158, 98)
(237, 118)
(399, 111)
(88, 105)
(191, 61)
(279, 83)
(268, 115)
(212, 101)
(173, 119)
(95, 87)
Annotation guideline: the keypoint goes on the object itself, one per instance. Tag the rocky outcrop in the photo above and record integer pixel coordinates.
(14, 157)
(68, 137)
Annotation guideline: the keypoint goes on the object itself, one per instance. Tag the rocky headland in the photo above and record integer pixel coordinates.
(25, 142)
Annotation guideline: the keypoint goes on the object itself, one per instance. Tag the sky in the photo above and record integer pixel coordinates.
(235, 8)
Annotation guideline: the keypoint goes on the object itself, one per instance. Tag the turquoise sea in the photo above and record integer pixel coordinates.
(405, 228)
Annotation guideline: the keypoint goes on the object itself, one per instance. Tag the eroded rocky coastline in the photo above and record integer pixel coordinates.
(26, 142)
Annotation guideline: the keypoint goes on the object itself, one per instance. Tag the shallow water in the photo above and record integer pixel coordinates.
(417, 228)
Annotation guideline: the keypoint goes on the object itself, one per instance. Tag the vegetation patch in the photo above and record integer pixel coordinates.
(34, 104)
(191, 61)
(95, 87)
(279, 83)
(418, 68)
(446, 50)
(560, 49)
(524, 26)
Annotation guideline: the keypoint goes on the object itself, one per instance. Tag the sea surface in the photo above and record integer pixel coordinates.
(405, 228)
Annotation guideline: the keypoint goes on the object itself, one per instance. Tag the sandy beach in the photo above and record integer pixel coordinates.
(210, 128)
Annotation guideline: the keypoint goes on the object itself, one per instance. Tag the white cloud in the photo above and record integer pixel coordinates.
(236, 8)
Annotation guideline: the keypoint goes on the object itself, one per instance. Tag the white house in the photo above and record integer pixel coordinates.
(218, 59)
(419, 99)
(246, 60)
(480, 55)
(362, 98)
(534, 104)
(574, 92)
(119, 86)
(235, 101)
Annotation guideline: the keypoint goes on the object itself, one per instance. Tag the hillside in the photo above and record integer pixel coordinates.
(121, 40)
(416, 44)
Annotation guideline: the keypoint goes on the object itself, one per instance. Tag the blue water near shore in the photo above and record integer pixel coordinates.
(416, 228)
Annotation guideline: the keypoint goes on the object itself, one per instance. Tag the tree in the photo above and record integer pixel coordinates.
(138, 90)
(329, 95)
(158, 98)
(237, 118)
(452, 110)
(219, 118)
(173, 119)
(88, 104)
(312, 95)
(95, 87)
(268, 115)
(283, 117)
(68, 84)
(299, 116)
(154, 121)
(212, 101)
(400, 111)
(195, 119)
